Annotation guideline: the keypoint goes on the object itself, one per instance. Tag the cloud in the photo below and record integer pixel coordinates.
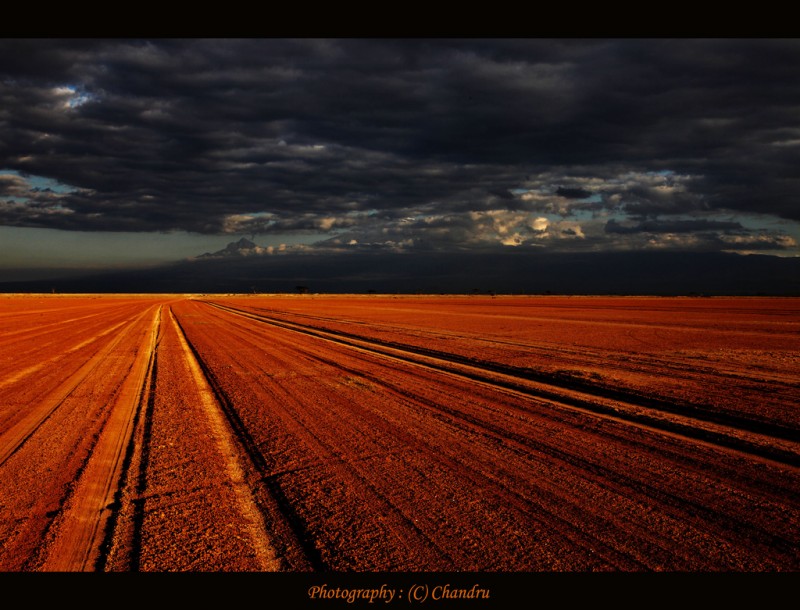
(573, 193)
(697, 235)
(758, 242)
(672, 226)
(472, 140)
(13, 186)
(274, 224)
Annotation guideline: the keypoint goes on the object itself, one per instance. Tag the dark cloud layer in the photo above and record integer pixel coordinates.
(672, 226)
(409, 143)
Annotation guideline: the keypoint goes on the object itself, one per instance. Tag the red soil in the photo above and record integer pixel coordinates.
(399, 433)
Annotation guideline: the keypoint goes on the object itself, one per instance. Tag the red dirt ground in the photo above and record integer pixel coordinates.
(391, 433)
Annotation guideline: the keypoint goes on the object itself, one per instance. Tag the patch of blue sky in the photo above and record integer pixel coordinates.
(40, 182)
(77, 97)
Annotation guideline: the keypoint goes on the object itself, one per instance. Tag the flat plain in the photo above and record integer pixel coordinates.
(399, 433)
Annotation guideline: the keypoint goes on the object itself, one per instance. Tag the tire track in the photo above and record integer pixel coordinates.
(766, 441)
(687, 368)
(643, 362)
(616, 322)
(287, 526)
(82, 526)
(122, 546)
(261, 541)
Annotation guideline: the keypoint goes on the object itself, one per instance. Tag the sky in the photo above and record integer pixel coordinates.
(124, 153)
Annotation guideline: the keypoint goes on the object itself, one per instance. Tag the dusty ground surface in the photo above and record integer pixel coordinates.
(295, 433)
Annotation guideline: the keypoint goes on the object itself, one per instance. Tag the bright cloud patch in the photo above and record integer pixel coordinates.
(539, 224)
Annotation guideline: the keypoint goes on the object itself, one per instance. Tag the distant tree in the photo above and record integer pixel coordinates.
(301, 289)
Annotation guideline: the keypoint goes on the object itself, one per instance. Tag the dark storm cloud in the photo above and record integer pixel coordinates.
(573, 193)
(672, 226)
(263, 136)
